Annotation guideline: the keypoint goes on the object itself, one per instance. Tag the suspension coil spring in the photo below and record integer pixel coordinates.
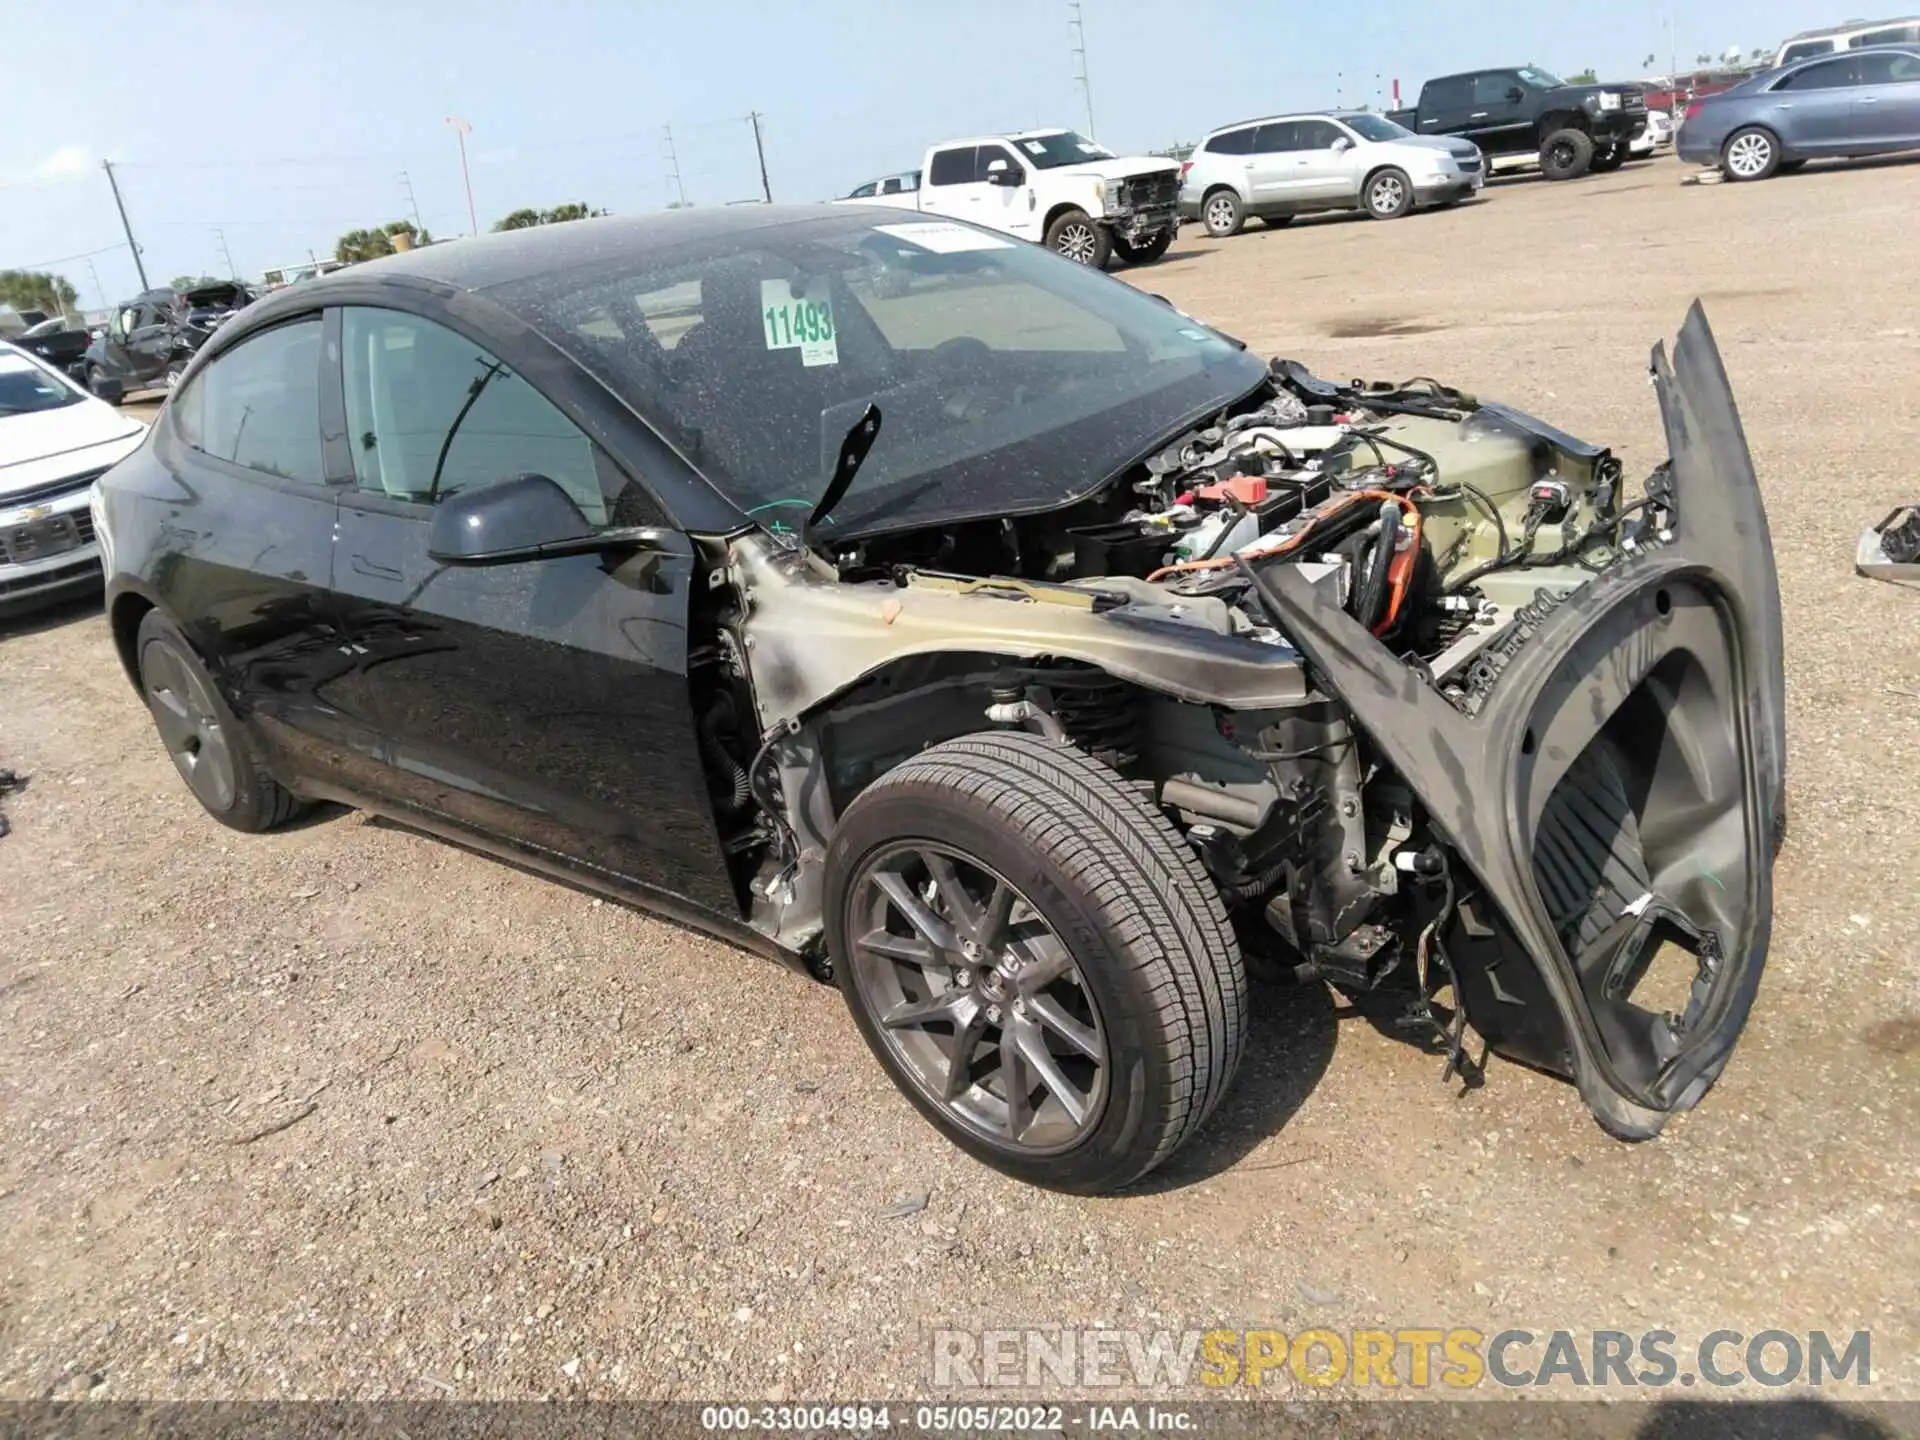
(1101, 714)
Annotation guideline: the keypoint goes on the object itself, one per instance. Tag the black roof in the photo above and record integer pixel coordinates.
(486, 261)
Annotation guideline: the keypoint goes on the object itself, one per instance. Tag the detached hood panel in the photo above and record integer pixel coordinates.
(1620, 789)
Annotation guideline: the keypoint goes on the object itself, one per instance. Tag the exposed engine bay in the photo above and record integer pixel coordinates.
(1424, 683)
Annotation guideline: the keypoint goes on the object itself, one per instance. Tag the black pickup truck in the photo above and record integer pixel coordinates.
(1522, 109)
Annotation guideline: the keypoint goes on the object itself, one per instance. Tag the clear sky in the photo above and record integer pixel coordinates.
(285, 125)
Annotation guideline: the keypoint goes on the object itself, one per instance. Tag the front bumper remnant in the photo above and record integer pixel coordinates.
(1621, 789)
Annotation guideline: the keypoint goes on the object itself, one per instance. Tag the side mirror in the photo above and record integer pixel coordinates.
(1515, 94)
(1001, 173)
(105, 387)
(1341, 144)
(521, 518)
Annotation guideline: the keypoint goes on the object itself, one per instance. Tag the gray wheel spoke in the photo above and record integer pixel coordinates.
(1044, 960)
(992, 928)
(897, 947)
(1050, 1013)
(915, 912)
(946, 880)
(959, 1076)
(1017, 1083)
(1032, 1047)
(170, 715)
(946, 1005)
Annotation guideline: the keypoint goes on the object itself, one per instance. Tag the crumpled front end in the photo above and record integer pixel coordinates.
(1612, 789)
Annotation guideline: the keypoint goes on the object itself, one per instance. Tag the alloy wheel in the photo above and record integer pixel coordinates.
(189, 724)
(1748, 155)
(977, 997)
(1078, 243)
(1387, 193)
(1220, 214)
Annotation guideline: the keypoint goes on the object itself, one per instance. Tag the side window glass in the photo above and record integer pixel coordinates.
(258, 405)
(1446, 95)
(1492, 88)
(429, 414)
(952, 167)
(1317, 135)
(1830, 76)
(1888, 68)
(1275, 138)
(987, 154)
(1233, 142)
(862, 192)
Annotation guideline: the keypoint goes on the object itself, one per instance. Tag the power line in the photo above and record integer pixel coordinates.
(1078, 30)
(233, 270)
(83, 255)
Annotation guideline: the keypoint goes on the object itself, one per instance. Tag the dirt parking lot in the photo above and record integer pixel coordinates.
(525, 1143)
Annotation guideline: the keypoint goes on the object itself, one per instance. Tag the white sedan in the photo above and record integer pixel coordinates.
(55, 441)
(1659, 133)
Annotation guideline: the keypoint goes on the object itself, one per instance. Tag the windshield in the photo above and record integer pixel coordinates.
(1049, 152)
(1007, 379)
(1374, 127)
(1539, 79)
(25, 388)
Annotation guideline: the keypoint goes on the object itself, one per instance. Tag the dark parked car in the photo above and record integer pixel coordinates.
(1522, 110)
(808, 574)
(151, 337)
(1864, 102)
(60, 342)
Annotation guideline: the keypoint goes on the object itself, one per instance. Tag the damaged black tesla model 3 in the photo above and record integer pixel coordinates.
(942, 618)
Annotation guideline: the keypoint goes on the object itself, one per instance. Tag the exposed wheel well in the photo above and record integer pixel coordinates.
(1057, 211)
(1215, 188)
(128, 611)
(1561, 120)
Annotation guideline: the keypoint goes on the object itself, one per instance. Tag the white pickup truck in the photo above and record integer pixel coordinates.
(1049, 186)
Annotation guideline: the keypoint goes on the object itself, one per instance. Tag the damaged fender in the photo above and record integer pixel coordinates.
(1634, 745)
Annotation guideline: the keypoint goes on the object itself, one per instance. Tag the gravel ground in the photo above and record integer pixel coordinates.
(344, 1111)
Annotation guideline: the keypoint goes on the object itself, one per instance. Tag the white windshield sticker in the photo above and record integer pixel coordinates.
(944, 239)
(799, 322)
(1033, 147)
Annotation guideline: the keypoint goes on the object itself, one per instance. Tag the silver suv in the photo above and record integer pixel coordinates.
(1292, 165)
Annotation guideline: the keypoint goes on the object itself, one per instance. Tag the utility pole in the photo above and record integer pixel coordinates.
(1079, 30)
(233, 271)
(139, 266)
(412, 204)
(673, 167)
(461, 129)
(99, 289)
(759, 149)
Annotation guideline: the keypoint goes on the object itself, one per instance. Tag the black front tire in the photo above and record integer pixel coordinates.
(1127, 900)
(1566, 154)
(1750, 153)
(1389, 194)
(1146, 253)
(207, 744)
(93, 387)
(1074, 235)
(1223, 213)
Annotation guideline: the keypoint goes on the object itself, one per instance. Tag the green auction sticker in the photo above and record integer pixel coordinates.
(803, 323)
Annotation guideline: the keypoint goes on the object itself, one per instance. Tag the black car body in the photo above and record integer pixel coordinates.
(1522, 109)
(817, 579)
(151, 337)
(59, 342)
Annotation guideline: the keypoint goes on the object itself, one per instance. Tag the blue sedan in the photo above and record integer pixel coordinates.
(1863, 102)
